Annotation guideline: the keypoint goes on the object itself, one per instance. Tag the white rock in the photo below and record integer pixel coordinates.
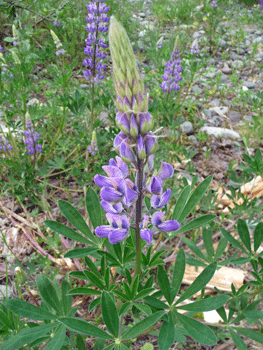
(220, 132)
(220, 110)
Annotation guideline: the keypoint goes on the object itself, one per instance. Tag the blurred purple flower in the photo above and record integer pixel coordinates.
(31, 139)
(214, 4)
(261, 4)
(56, 23)
(60, 52)
(1, 48)
(166, 226)
(4, 144)
(172, 72)
(97, 23)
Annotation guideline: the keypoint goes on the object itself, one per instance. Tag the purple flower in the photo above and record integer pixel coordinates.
(145, 233)
(214, 4)
(56, 23)
(117, 230)
(112, 208)
(1, 48)
(31, 139)
(60, 52)
(194, 47)
(150, 143)
(97, 23)
(93, 147)
(261, 4)
(166, 226)
(155, 185)
(126, 153)
(4, 144)
(16, 43)
(159, 201)
(172, 72)
(165, 171)
(141, 150)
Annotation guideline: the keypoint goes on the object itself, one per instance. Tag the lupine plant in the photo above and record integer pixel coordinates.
(120, 257)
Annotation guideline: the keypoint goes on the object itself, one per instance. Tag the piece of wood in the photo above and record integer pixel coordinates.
(222, 278)
(251, 189)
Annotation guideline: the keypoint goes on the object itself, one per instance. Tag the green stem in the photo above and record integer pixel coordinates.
(138, 219)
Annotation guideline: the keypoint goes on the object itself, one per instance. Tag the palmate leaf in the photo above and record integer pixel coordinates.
(27, 310)
(239, 342)
(166, 335)
(93, 207)
(143, 325)
(248, 333)
(83, 327)
(48, 293)
(80, 252)
(57, 341)
(195, 197)
(164, 284)
(76, 219)
(199, 283)
(27, 335)
(244, 234)
(180, 204)
(197, 330)
(193, 224)
(207, 304)
(66, 231)
(110, 314)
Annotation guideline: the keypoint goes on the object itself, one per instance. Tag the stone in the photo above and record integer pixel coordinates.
(142, 14)
(237, 64)
(223, 110)
(258, 40)
(104, 117)
(249, 84)
(220, 132)
(215, 102)
(216, 120)
(207, 113)
(10, 292)
(210, 75)
(248, 118)
(234, 56)
(226, 69)
(194, 140)
(196, 90)
(33, 102)
(83, 86)
(234, 116)
(187, 128)
(222, 43)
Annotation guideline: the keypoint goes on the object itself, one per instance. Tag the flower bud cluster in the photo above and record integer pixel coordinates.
(95, 44)
(58, 44)
(93, 147)
(136, 145)
(172, 72)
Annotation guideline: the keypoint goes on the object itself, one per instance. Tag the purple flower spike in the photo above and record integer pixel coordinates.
(165, 171)
(31, 139)
(133, 127)
(146, 234)
(172, 72)
(109, 194)
(261, 4)
(158, 202)
(214, 4)
(126, 153)
(4, 144)
(141, 150)
(155, 186)
(150, 143)
(166, 226)
(123, 123)
(97, 23)
(112, 208)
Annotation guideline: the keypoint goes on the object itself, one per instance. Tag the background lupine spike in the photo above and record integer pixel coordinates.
(124, 63)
